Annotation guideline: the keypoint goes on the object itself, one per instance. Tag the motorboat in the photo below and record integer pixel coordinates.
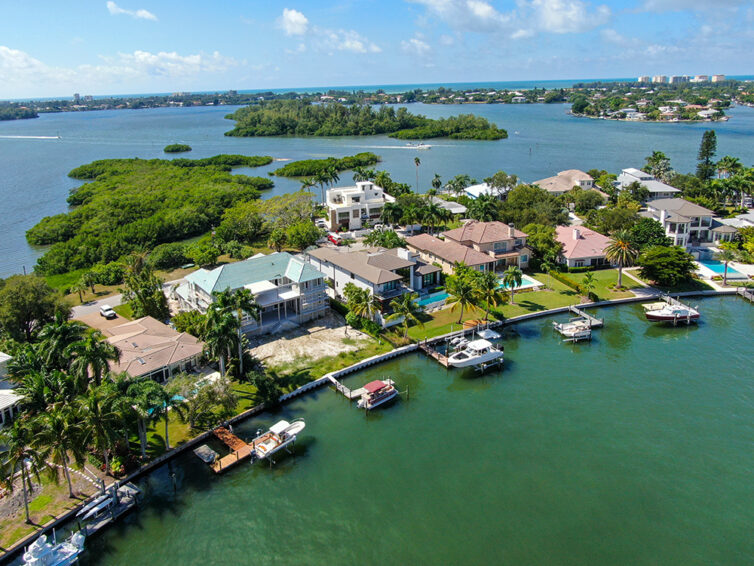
(488, 334)
(459, 342)
(420, 145)
(377, 392)
(574, 329)
(280, 435)
(44, 553)
(664, 312)
(476, 352)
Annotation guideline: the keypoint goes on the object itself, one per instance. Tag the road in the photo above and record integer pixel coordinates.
(114, 300)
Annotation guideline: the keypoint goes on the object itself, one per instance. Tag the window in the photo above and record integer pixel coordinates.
(356, 213)
(524, 258)
(428, 279)
(579, 263)
(501, 246)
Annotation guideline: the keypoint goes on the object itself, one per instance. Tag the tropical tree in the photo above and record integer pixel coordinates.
(437, 182)
(417, 162)
(588, 283)
(363, 174)
(512, 278)
(101, 420)
(27, 303)
(221, 335)
(145, 396)
(462, 292)
(391, 213)
(167, 402)
(726, 255)
(55, 339)
(458, 184)
(322, 178)
(307, 183)
(19, 456)
(332, 176)
(484, 208)
(242, 301)
(79, 286)
(487, 287)
(361, 302)
(276, 239)
(58, 435)
(90, 356)
(143, 289)
(706, 166)
(658, 165)
(406, 306)
(621, 252)
(728, 166)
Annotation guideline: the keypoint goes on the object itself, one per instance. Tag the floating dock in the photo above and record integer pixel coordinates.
(125, 500)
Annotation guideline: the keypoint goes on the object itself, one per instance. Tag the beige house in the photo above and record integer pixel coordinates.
(502, 242)
(447, 254)
(565, 181)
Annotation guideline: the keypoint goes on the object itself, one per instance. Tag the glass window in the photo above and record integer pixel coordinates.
(524, 258)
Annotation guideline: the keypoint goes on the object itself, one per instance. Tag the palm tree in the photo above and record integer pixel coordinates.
(18, 456)
(729, 166)
(487, 287)
(391, 213)
(90, 357)
(79, 287)
(307, 183)
(459, 287)
(588, 283)
(363, 303)
(332, 176)
(406, 306)
(144, 396)
(417, 162)
(410, 216)
(436, 182)
(484, 208)
(512, 278)
(221, 335)
(362, 174)
(56, 336)
(245, 303)
(101, 419)
(167, 402)
(322, 178)
(725, 255)
(620, 252)
(58, 435)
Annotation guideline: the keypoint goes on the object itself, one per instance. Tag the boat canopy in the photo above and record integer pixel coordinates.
(373, 386)
(279, 427)
(479, 345)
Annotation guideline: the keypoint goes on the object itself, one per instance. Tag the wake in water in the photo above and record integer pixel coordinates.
(30, 137)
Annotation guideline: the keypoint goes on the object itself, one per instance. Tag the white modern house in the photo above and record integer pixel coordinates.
(287, 289)
(475, 191)
(686, 223)
(9, 401)
(657, 189)
(354, 207)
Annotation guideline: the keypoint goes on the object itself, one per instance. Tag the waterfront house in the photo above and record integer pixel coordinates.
(582, 247)
(685, 223)
(447, 254)
(498, 240)
(475, 191)
(149, 348)
(657, 189)
(386, 274)
(9, 400)
(352, 208)
(455, 208)
(565, 181)
(287, 289)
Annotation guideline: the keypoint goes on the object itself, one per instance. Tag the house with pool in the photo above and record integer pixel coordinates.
(447, 253)
(687, 224)
(502, 242)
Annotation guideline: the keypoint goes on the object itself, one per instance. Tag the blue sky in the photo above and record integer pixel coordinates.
(136, 46)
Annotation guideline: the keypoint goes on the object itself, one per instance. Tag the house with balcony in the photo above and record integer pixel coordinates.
(685, 223)
(447, 253)
(287, 289)
(565, 181)
(353, 208)
(503, 242)
(9, 400)
(386, 274)
(657, 189)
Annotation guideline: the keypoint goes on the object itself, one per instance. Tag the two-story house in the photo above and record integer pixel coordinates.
(447, 254)
(9, 400)
(565, 181)
(657, 189)
(503, 242)
(384, 273)
(286, 288)
(355, 207)
(684, 222)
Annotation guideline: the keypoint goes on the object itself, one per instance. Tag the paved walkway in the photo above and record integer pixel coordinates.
(645, 290)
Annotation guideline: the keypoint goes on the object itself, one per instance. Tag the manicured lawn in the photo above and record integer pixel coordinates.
(124, 311)
(684, 286)
(605, 278)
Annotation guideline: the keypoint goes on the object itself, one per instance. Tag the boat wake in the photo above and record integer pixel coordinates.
(30, 137)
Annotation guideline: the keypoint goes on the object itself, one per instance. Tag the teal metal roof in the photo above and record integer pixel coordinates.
(254, 270)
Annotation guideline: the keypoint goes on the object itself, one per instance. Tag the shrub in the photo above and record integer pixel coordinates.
(354, 321)
(177, 148)
(108, 274)
(371, 327)
(339, 307)
(169, 256)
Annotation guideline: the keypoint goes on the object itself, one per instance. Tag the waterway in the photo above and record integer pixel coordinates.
(544, 139)
(634, 449)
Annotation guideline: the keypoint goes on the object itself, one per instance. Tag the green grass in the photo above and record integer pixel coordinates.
(605, 278)
(124, 311)
(39, 503)
(63, 281)
(684, 286)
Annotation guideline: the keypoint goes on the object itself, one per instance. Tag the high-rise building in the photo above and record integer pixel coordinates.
(678, 79)
(718, 78)
(659, 79)
(76, 97)
(644, 79)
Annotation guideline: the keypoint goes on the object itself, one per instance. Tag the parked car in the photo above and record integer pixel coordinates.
(107, 311)
(335, 238)
(320, 223)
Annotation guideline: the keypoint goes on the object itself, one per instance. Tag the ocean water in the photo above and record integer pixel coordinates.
(632, 449)
(543, 140)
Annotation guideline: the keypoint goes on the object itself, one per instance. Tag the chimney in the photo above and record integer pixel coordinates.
(576, 233)
(663, 216)
(511, 230)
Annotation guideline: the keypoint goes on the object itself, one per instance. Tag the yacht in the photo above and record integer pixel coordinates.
(377, 393)
(477, 352)
(43, 553)
(280, 435)
(664, 312)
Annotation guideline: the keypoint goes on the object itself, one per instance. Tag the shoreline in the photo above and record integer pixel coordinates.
(14, 550)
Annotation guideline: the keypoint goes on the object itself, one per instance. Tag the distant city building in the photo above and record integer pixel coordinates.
(700, 79)
(678, 79)
(76, 97)
(718, 78)
(645, 79)
(88, 98)
(660, 79)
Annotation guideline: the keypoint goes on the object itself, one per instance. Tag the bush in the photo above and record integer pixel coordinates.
(169, 256)
(177, 148)
(565, 280)
(371, 328)
(589, 268)
(108, 274)
(354, 321)
(310, 167)
(339, 307)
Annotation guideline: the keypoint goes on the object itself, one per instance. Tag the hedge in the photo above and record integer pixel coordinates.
(589, 268)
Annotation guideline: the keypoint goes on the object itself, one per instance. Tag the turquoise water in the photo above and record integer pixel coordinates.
(526, 282)
(433, 298)
(34, 180)
(634, 449)
(719, 267)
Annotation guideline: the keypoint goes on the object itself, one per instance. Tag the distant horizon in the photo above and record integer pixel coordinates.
(390, 88)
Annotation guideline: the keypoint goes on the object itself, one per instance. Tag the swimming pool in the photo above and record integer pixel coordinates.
(718, 268)
(526, 283)
(433, 298)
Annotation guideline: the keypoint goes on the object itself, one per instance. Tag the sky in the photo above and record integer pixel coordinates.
(52, 48)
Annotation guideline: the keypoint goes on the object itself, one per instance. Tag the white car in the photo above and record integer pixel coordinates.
(107, 311)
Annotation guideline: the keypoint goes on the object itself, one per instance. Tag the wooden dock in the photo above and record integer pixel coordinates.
(593, 322)
(434, 354)
(351, 394)
(747, 294)
(240, 450)
(127, 498)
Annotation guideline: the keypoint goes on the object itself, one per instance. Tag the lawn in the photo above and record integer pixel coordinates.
(124, 311)
(604, 279)
(682, 287)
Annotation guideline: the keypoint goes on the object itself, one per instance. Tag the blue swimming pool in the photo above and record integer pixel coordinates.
(718, 267)
(432, 298)
(526, 283)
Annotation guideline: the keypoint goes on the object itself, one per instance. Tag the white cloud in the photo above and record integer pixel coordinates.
(416, 46)
(293, 22)
(692, 5)
(468, 15)
(164, 64)
(140, 14)
(568, 16)
(345, 40)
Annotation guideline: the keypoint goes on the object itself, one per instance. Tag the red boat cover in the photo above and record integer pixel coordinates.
(373, 386)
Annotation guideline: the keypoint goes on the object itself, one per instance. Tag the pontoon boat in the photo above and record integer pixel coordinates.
(377, 393)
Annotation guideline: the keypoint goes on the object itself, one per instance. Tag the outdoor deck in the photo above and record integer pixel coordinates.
(434, 354)
(240, 450)
(746, 293)
(593, 322)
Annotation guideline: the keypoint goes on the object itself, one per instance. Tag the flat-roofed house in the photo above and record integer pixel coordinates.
(503, 242)
(149, 348)
(657, 189)
(354, 207)
(582, 247)
(565, 181)
(287, 289)
(447, 253)
(9, 400)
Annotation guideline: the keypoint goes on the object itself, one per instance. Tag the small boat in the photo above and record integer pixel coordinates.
(664, 312)
(43, 553)
(477, 352)
(420, 145)
(488, 334)
(575, 329)
(377, 393)
(459, 342)
(280, 435)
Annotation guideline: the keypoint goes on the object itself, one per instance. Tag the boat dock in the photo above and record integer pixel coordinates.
(434, 354)
(351, 394)
(747, 294)
(125, 500)
(240, 450)
(593, 322)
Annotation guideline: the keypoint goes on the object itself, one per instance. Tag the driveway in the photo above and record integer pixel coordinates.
(114, 300)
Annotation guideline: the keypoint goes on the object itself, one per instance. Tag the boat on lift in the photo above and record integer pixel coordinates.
(476, 353)
(43, 553)
(664, 312)
(575, 329)
(377, 393)
(280, 435)
(488, 334)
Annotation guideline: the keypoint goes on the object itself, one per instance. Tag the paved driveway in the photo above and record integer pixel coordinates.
(114, 301)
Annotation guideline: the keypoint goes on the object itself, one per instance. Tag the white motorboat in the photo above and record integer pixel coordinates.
(459, 342)
(43, 553)
(488, 334)
(420, 145)
(664, 312)
(575, 329)
(477, 352)
(280, 435)
(377, 393)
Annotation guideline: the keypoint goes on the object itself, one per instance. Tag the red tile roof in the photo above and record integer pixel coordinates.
(588, 244)
(484, 232)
